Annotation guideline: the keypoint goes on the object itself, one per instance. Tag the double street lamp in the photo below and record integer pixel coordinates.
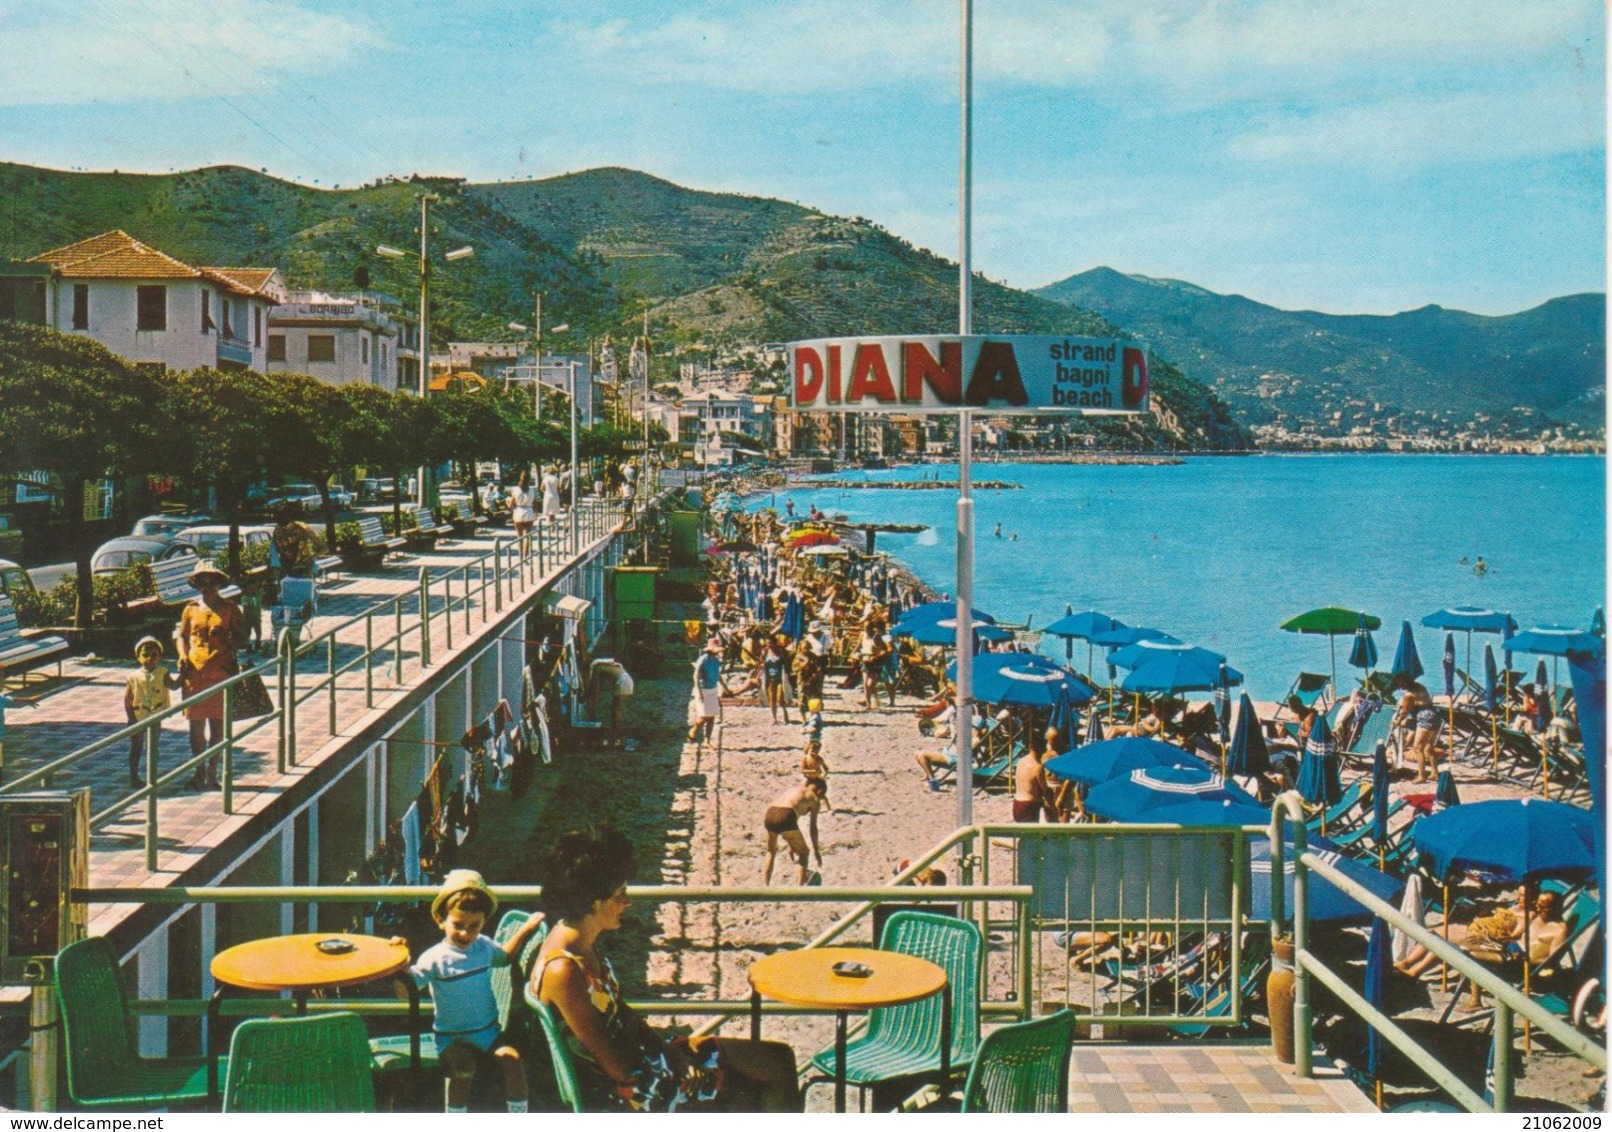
(425, 314)
(537, 398)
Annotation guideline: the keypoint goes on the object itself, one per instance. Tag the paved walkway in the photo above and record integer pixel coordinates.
(1202, 1077)
(53, 719)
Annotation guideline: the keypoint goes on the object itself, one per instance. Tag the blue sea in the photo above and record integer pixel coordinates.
(1219, 551)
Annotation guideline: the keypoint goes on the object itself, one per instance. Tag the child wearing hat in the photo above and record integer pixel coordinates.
(145, 693)
(458, 973)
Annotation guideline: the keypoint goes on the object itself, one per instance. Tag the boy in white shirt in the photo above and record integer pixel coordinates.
(458, 972)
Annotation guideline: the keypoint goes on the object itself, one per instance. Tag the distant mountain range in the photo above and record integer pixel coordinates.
(716, 272)
(1538, 367)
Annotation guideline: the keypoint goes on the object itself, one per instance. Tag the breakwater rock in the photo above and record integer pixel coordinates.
(912, 485)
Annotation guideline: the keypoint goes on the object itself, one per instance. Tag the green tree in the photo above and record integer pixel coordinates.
(379, 432)
(315, 418)
(72, 408)
(467, 425)
(232, 427)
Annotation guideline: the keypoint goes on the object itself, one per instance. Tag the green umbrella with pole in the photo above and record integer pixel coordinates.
(1332, 622)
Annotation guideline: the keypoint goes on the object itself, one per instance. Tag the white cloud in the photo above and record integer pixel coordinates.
(163, 51)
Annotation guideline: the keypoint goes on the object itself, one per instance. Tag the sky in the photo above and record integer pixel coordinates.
(1355, 156)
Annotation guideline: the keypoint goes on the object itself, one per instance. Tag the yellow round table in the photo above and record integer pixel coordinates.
(807, 978)
(299, 964)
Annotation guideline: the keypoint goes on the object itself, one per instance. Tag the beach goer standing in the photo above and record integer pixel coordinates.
(210, 630)
(521, 515)
(551, 494)
(775, 675)
(812, 763)
(625, 1061)
(293, 543)
(1417, 707)
(145, 693)
(871, 652)
(1032, 795)
(459, 974)
(707, 691)
(782, 820)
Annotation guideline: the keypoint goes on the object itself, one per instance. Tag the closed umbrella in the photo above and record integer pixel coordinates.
(793, 624)
(1598, 623)
(1319, 782)
(1491, 703)
(1223, 707)
(1364, 652)
(1176, 795)
(1376, 993)
(1110, 758)
(1246, 754)
(1445, 794)
(1407, 664)
(1064, 720)
(1331, 622)
(1094, 728)
(1449, 677)
(1379, 802)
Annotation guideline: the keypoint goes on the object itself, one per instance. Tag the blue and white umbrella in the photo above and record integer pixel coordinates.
(1127, 635)
(1327, 903)
(1094, 728)
(1318, 770)
(1175, 669)
(1082, 626)
(1109, 758)
(1247, 754)
(1449, 672)
(936, 610)
(1469, 619)
(1364, 653)
(1065, 721)
(1175, 795)
(1140, 652)
(1407, 664)
(793, 622)
(1024, 679)
(1557, 640)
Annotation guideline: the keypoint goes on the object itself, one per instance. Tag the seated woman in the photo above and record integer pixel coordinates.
(626, 1062)
(1498, 930)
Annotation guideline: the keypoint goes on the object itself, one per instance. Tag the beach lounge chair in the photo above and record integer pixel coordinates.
(1213, 997)
(1309, 690)
(1553, 980)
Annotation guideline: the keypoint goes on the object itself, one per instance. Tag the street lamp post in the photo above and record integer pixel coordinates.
(425, 310)
(574, 470)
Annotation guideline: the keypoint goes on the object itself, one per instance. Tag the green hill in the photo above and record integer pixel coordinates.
(1444, 368)
(715, 272)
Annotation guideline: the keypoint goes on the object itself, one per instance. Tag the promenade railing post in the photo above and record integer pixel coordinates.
(425, 619)
(330, 667)
(397, 640)
(465, 573)
(289, 639)
(369, 658)
(152, 732)
(227, 793)
(1501, 1056)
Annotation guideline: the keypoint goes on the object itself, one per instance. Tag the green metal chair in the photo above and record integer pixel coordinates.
(904, 1041)
(1023, 1067)
(565, 1072)
(104, 1066)
(391, 1053)
(314, 1064)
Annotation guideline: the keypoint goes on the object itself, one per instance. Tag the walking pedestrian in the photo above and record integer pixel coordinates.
(551, 494)
(707, 697)
(145, 693)
(211, 628)
(521, 515)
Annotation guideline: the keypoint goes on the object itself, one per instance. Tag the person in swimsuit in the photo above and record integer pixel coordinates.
(627, 1063)
(782, 820)
(775, 663)
(1032, 795)
(1416, 706)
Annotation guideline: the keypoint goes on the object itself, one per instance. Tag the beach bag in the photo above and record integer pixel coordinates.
(251, 698)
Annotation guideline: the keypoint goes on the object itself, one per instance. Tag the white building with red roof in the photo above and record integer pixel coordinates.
(146, 305)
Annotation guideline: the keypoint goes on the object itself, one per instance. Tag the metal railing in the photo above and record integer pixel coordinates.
(1510, 1003)
(478, 589)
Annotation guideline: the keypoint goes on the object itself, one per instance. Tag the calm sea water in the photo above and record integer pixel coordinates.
(1220, 551)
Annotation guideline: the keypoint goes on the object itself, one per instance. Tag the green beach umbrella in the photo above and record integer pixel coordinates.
(1332, 622)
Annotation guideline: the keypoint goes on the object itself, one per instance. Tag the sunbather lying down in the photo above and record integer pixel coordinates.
(1085, 947)
(1498, 930)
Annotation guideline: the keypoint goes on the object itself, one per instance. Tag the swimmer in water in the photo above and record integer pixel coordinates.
(1480, 566)
(999, 530)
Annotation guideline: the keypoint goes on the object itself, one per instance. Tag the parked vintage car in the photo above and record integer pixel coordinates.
(121, 553)
(156, 525)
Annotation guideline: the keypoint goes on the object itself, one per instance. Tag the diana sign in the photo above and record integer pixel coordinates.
(1014, 373)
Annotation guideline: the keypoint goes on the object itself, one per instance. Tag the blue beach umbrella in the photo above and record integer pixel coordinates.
(1511, 840)
(1140, 652)
(1491, 681)
(1074, 626)
(1445, 794)
(1379, 800)
(1364, 653)
(1123, 635)
(1094, 728)
(983, 632)
(793, 623)
(1180, 669)
(1246, 754)
(1024, 679)
(942, 631)
(1318, 771)
(1327, 903)
(1065, 720)
(1109, 758)
(1470, 619)
(1557, 640)
(1177, 795)
(1407, 664)
(936, 610)
(1588, 674)
(1378, 956)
